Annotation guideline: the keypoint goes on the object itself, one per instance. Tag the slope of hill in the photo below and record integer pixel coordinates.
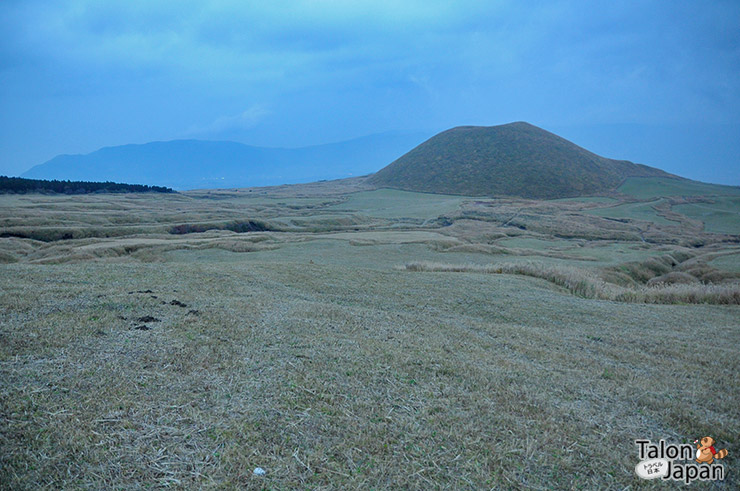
(516, 159)
(192, 164)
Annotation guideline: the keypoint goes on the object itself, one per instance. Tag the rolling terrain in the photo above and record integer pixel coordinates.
(340, 336)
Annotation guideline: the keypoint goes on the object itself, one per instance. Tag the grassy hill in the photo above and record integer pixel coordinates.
(516, 159)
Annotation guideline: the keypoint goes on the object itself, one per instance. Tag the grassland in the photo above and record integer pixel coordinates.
(388, 203)
(719, 214)
(729, 262)
(341, 337)
(656, 187)
(639, 210)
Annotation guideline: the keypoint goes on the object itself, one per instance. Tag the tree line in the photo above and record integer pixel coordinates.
(19, 185)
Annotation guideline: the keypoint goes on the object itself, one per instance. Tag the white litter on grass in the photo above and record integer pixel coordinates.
(259, 471)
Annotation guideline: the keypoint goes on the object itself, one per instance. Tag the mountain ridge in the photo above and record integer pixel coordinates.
(191, 163)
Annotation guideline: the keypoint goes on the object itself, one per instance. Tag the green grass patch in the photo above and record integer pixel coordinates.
(586, 199)
(391, 203)
(721, 216)
(729, 262)
(653, 187)
(634, 211)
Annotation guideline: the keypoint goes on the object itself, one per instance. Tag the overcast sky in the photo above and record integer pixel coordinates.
(655, 82)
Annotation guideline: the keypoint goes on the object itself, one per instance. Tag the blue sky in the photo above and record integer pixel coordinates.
(650, 81)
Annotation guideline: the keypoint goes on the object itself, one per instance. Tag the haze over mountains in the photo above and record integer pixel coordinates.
(516, 159)
(195, 164)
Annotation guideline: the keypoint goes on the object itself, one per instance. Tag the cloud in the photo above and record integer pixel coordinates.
(247, 119)
(618, 54)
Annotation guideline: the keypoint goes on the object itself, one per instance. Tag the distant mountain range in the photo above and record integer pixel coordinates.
(516, 159)
(194, 164)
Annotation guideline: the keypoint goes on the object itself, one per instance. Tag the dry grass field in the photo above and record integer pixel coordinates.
(342, 337)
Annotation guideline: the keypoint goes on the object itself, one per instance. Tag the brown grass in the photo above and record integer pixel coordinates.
(337, 378)
(589, 285)
(319, 362)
